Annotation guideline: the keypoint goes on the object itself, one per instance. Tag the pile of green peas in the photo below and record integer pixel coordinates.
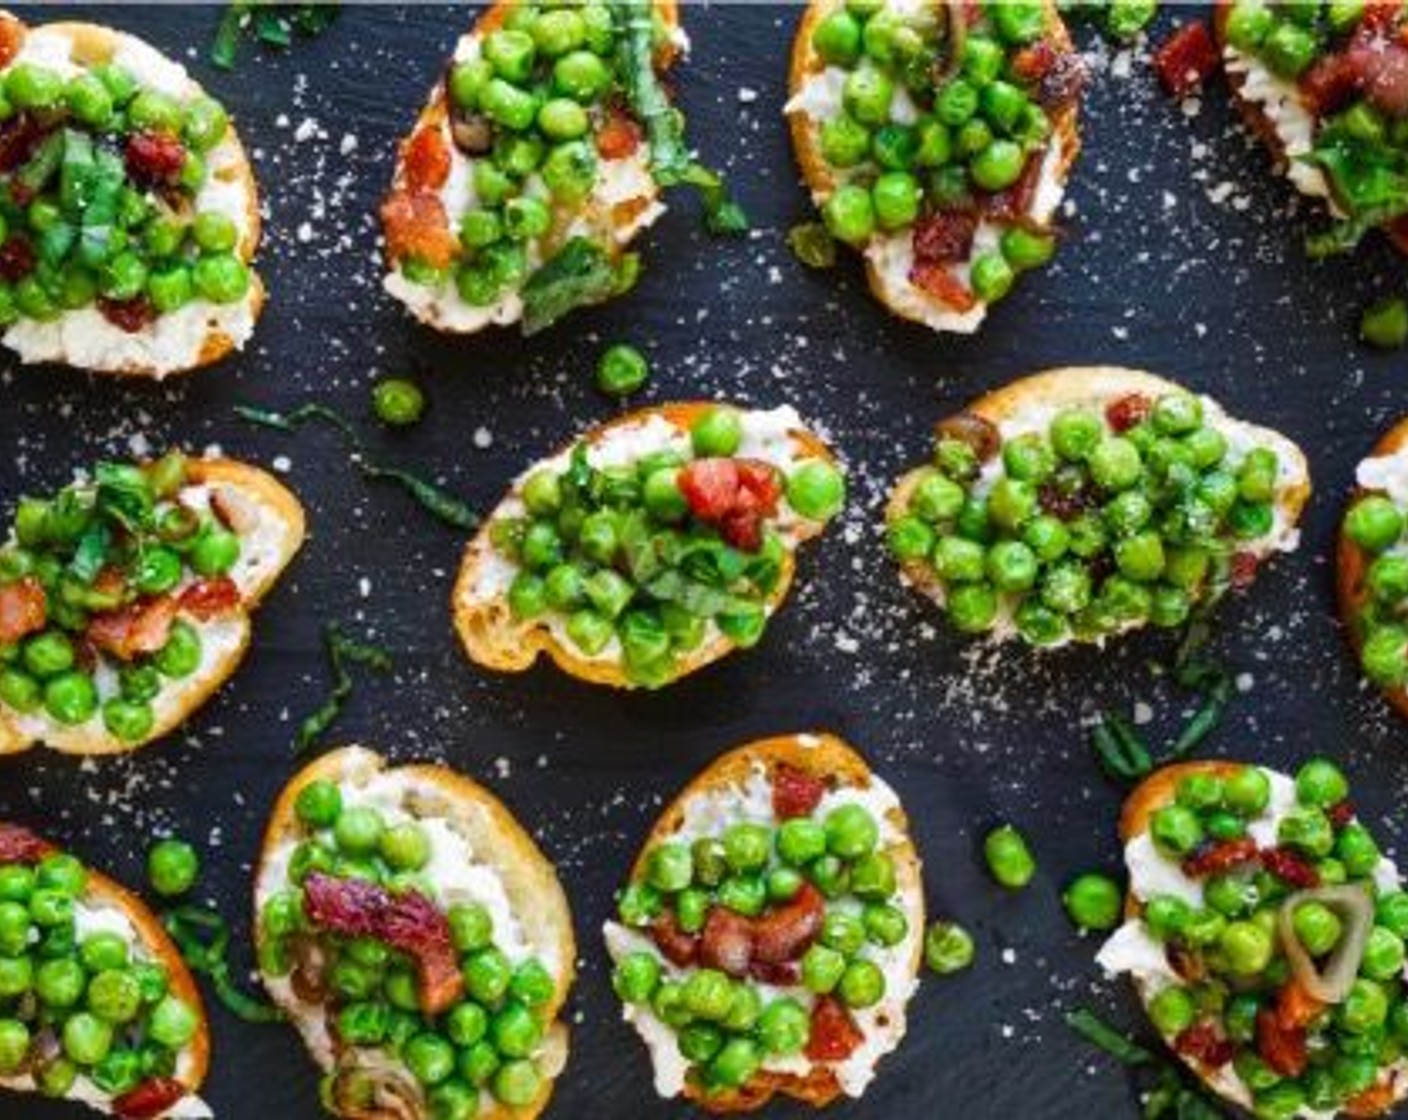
(137, 542)
(722, 1026)
(484, 1044)
(1375, 523)
(595, 544)
(972, 135)
(539, 83)
(1235, 936)
(105, 999)
(1159, 507)
(95, 231)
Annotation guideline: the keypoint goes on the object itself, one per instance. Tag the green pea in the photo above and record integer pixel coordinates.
(1247, 792)
(972, 608)
(1141, 556)
(525, 218)
(1247, 948)
(511, 54)
(822, 969)
(956, 103)
(894, 147)
(895, 198)
(1019, 21)
(636, 977)
(559, 31)
(49, 654)
(670, 868)
(1248, 21)
(849, 214)
(1374, 523)
(1075, 434)
(837, 39)
(430, 1058)
(589, 631)
(717, 434)
(1176, 829)
(29, 86)
(358, 830)
(1115, 463)
(318, 804)
(20, 691)
(699, 1042)
(1383, 955)
(515, 1031)
(1365, 1008)
(867, 95)
(1093, 902)
(479, 1063)
(959, 561)
(1172, 1010)
(851, 832)
(221, 278)
(541, 548)
(570, 171)
(1384, 657)
(114, 997)
(998, 165)
(405, 847)
(844, 141)
(1308, 831)
(398, 402)
(471, 926)
(1023, 249)
(1167, 916)
(131, 721)
(14, 1046)
(991, 276)
(909, 539)
(843, 931)
(1124, 19)
(86, 1039)
(172, 866)
(1391, 912)
(743, 894)
(71, 698)
(735, 1064)
(1321, 783)
(487, 975)
(708, 994)
(582, 75)
(1356, 849)
(1009, 859)
(621, 371)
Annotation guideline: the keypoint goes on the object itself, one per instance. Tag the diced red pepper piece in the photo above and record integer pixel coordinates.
(1128, 411)
(1281, 1047)
(130, 315)
(418, 228)
(1290, 868)
(936, 280)
(427, 160)
(23, 610)
(619, 136)
(149, 1099)
(155, 157)
(19, 845)
(945, 237)
(1212, 859)
(210, 598)
(1203, 1043)
(1186, 59)
(834, 1034)
(795, 793)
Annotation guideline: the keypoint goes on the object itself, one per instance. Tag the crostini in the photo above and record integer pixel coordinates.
(1371, 574)
(651, 547)
(130, 210)
(417, 938)
(529, 171)
(770, 937)
(936, 140)
(96, 1004)
(1081, 503)
(125, 598)
(1264, 935)
(1322, 85)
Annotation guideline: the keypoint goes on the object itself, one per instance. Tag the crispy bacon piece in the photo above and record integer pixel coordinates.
(1281, 1047)
(19, 845)
(210, 598)
(1033, 63)
(976, 431)
(619, 136)
(786, 932)
(727, 942)
(834, 1034)
(427, 160)
(407, 921)
(1373, 1101)
(1128, 411)
(17, 258)
(936, 280)
(154, 157)
(1385, 76)
(945, 237)
(19, 136)
(1061, 85)
(1063, 503)
(1212, 859)
(1202, 1043)
(1186, 59)
(1340, 814)
(142, 627)
(12, 33)
(149, 1099)
(733, 494)
(1374, 63)
(1242, 570)
(1329, 82)
(681, 949)
(778, 975)
(1295, 1007)
(23, 610)
(1290, 868)
(795, 793)
(417, 227)
(130, 315)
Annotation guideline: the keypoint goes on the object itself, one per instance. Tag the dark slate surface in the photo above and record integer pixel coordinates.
(1182, 257)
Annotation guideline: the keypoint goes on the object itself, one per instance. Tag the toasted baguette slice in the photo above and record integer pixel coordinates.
(1029, 403)
(1276, 111)
(433, 182)
(269, 521)
(110, 907)
(496, 640)
(889, 257)
(1136, 818)
(742, 779)
(496, 845)
(197, 334)
(1352, 562)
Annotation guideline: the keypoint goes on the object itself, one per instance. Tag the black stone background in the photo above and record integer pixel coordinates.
(1182, 256)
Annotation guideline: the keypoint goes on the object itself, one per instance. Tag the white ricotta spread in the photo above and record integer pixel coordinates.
(173, 343)
(1388, 473)
(882, 1026)
(767, 435)
(1280, 102)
